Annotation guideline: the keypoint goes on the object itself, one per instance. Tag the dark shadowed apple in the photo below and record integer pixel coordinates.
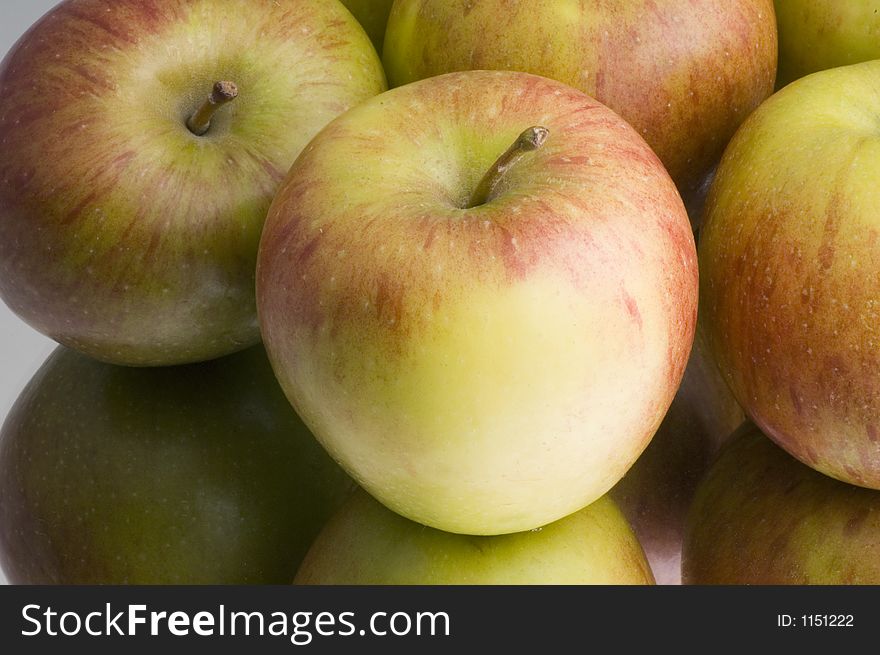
(131, 203)
(373, 16)
(193, 474)
(684, 73)
(762, 517)
(656, 492)
(367, 544)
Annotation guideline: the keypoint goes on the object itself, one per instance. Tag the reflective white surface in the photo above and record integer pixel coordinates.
(22, 350)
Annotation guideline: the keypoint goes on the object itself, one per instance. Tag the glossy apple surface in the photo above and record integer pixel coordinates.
(481, 369)
(818, 34)
(367, 544)
(684, 73)
(125, 235)
(657, 491)
(373, 16)
(762, 517)
(198, 474)
(790, 270)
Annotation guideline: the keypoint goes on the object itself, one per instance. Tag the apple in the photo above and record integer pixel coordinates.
(819, 34)
(130, 206)
(790, 270)
(656, 492)
(373, 16)
(197, 474)
(484, 335)
(684, 73)
(762, 517)
(366, 544)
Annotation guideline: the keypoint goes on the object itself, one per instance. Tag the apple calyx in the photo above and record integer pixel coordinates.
(223, 93)
(531, 139)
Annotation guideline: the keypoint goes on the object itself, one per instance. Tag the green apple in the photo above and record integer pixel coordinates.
(373, 16)
(484, 336)
(762, 517)
(191, 474)
(790, 270)
(684, 73)
(656, 492)
(130, 207)
(366, 544)
(819, 34)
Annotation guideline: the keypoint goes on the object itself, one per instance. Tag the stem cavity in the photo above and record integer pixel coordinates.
(223, 93)
(530, 140)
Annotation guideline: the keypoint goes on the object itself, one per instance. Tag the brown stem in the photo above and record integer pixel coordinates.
(531, 139)
(200, 122)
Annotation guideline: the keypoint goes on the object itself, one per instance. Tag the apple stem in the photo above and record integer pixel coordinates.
(200, 122)
(531, 139)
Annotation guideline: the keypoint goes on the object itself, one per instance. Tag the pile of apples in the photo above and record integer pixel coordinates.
(320, 331)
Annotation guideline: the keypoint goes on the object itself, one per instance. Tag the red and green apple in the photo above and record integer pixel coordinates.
(790, 270)
(485, 335)
(762, 517)
(131, 202)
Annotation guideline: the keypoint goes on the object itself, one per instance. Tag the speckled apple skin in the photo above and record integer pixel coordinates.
(790, 286)
(818, 34)
(198, 474)
(366, 544)
(124, 235)
(491, 369)
(684, 73)
(762, 517)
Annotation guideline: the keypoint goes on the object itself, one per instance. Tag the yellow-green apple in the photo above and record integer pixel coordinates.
(373, 16)
(130, 206)
(656, 492)
(367, 544)
(819, 34)
(196, 474)
(484, 335)
(684, 73)
(762, 517)
(790, 270)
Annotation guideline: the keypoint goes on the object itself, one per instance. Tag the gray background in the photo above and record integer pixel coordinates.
(21, 349)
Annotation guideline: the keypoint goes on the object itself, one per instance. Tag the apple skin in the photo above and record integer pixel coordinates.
(818, 34)
(684, 73)
(657, 491)
(198, 474)
(367, 544)
(373, 17)
(762, 517)
(125, 236)
(489, 369)
(790, 270)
